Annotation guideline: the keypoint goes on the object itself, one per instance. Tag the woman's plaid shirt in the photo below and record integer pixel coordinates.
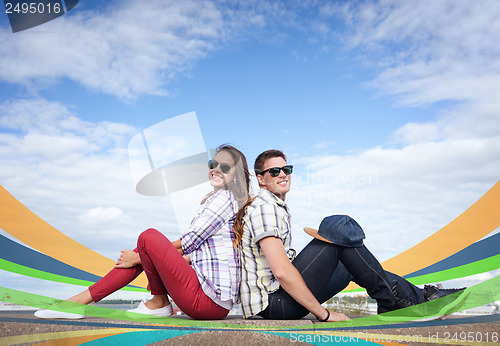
(209, 243)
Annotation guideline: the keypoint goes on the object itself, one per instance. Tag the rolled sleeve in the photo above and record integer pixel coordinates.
(266, 222)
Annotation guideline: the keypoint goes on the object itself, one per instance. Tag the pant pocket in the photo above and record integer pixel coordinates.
(275, 309)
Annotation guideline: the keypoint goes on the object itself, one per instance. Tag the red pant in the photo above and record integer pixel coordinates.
(168, 273)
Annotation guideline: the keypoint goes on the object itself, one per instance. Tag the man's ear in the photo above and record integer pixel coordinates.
(260, 180)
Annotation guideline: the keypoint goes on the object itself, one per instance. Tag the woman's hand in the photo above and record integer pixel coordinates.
(178, 245)
(128, 259)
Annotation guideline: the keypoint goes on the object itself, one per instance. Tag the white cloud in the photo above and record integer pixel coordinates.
(127, 50)
(428, 173)
(474, 119)
(77, 177)
(105, 215)
(39, 115)
(427, 51)
(322, 145)
(401, 196)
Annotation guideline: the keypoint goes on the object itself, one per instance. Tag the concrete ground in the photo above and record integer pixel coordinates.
(21, 327)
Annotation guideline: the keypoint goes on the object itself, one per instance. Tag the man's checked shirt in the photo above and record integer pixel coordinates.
(267, 216)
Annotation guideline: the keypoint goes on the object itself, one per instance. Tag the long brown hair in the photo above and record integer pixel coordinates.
(258, 167)
(241, 187)
(238, 222)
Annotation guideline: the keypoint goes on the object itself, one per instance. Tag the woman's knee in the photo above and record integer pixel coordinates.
(147, 235)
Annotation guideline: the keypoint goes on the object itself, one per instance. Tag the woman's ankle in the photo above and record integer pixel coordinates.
(158, 302)
(81, 298)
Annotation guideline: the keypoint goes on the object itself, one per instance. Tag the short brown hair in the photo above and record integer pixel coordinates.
(258, 166)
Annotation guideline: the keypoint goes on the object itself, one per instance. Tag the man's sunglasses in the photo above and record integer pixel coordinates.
(224, 167)
(275, 171)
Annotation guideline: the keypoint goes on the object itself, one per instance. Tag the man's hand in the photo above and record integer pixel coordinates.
(332, 316)
(128, 259)
(337, 316)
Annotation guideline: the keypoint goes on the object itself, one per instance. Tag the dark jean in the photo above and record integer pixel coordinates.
(328, 268)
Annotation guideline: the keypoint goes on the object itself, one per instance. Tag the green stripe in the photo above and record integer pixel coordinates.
(477, 295)
(481, 266)
(39, 274)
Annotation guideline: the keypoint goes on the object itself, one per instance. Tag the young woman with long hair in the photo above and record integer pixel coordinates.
(200, 271)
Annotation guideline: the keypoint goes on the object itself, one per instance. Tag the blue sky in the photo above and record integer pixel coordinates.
(387, 109)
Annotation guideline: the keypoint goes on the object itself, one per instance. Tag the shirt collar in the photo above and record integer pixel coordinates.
(270, 197)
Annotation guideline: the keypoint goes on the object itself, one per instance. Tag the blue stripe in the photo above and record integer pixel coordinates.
(479, 250)
(20, 254)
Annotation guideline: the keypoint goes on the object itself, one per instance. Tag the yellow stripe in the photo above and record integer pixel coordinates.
(22, 339)
(23, 224)
(479, 220)
(476, 222)
(473, 224)
(73, 341)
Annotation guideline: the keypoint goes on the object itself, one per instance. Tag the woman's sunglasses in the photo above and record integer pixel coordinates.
(275, 171)
(224, 167)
